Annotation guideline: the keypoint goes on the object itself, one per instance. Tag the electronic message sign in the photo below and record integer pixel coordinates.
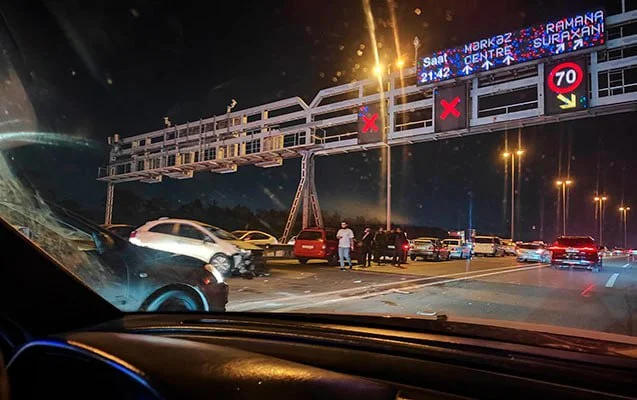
(370, 124)
(565, 86)
(553, 38)
(451, 108)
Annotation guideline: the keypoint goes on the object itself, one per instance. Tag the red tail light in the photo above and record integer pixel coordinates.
(406, 247)
(589, 249)
(133, 234)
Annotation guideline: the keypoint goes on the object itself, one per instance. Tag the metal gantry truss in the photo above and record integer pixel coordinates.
(268, 134)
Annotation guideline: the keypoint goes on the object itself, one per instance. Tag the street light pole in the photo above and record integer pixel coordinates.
(601, 200)
(506, 154)
(624, 215)
(564, 185)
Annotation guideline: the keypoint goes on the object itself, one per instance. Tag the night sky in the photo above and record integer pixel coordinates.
(119, 67)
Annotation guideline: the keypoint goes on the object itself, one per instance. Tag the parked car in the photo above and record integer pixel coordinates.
(121, 230)
(509, 247)
(457, 249)
(533, 252)
(429, 249)
(208, 243)
(130, 277)
(576, 251)
(256, 237)
(320, 244)
(488, 246)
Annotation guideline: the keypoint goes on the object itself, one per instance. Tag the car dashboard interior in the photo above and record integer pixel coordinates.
(174, 356)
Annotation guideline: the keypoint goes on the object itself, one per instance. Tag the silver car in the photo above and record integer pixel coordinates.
(533, 252)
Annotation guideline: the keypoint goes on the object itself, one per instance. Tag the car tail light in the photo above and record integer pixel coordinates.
(406, 247)
(133, 234)
(589, 249)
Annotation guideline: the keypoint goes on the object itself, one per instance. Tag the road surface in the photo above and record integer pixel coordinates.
(485, 288)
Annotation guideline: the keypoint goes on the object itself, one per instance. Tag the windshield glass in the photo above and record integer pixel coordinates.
(220, 233)
(375, 126)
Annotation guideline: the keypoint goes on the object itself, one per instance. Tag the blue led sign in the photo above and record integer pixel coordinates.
(553, 38)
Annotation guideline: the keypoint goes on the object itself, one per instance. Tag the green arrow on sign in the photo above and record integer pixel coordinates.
(568, 103)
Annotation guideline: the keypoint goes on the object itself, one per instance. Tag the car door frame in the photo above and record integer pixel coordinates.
(203, 249)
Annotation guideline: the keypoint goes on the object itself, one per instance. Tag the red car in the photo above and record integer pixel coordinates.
(320, 244)
(576, 251)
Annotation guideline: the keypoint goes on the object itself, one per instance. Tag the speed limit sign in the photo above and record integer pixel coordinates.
(565, 86)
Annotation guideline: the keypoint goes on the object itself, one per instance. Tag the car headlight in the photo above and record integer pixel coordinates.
(210, 268)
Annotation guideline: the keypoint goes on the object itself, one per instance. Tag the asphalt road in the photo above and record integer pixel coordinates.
(485, 288)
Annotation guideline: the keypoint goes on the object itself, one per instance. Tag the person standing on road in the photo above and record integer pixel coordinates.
(400, 240)
(366, 247)
(380, 244)
(345, 238)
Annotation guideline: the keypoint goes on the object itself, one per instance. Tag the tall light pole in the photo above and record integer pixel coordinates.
(378, 71)
(506, 155)
(601, 200)
(624, 213)
(564, 184)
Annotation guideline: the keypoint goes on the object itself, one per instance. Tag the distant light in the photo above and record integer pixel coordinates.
(400, 63)
(559, 183)
(568, 182)
(519, 152)
(359, 52)
(378, 70)
(362, 46)
(621, 208)
(596, 198)
(506, 154)
(604, 198)
(417, 11)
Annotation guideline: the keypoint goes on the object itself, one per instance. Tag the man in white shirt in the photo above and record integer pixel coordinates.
(345, 238)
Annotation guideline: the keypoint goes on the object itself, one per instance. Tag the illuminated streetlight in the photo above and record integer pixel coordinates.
(601, 200)
(378, 70)
(563, 184)
(506, 155)
(624, 215)
(400, 63)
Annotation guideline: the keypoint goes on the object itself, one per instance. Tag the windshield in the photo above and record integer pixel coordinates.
(220, 233)
(375, 126)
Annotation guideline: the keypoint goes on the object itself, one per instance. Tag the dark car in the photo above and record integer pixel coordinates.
(320, 244)
(576, 251)
(121, 230)
(130, 277)
(429, 249)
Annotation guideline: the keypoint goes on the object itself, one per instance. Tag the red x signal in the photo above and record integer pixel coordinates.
(450, 108)
(370, 123)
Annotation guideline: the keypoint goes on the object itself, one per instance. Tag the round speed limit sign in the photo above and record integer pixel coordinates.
(565, 77)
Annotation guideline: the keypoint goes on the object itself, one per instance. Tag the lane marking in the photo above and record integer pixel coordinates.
(611, 280)
(375, 294)
(587, 290)
(626, 265)
(252, 304)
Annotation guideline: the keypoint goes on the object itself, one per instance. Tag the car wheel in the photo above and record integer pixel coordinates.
(222, 263)
(412, 258)
(597, 267)
(448, 257)
(303, 260)
(174, 300)
(437, 257)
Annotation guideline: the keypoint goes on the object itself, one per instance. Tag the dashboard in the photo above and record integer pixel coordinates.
(178, 357)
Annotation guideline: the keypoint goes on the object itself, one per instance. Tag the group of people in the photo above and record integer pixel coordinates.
(374, 246)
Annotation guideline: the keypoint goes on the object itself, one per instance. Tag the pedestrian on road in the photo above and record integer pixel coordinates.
(366, 247)
(345, 238)
(400, 241)
(380, 244)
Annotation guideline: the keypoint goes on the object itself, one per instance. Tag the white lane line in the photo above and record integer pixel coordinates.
(611, 280)
(626, 265)
(252, 304)
(375, 294)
